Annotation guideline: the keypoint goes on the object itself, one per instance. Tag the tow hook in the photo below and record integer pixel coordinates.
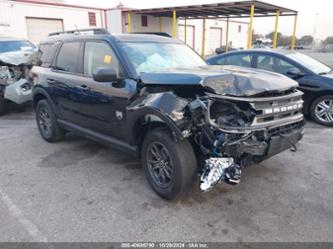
(219, 169)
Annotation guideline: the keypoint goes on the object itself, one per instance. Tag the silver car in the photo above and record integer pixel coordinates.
(16, 59)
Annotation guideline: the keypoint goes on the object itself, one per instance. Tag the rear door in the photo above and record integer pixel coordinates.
(64, 81)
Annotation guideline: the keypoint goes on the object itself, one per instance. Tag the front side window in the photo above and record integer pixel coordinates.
(274, 64)
(98, 54)
(148, 57)
(242, 60)
(68, 57)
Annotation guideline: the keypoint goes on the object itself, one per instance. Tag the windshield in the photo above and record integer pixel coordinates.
(9, 46)
(152, 56)
(310, 63)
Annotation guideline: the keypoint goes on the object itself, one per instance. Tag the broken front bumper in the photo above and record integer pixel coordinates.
(19, 92)
(224, 169)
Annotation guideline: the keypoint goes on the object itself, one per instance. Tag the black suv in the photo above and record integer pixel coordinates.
(155, 97)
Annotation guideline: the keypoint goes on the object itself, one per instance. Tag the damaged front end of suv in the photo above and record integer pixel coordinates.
(15, 83)
(233, 117)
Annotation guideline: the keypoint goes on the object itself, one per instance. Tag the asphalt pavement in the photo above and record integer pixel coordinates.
(78, 190)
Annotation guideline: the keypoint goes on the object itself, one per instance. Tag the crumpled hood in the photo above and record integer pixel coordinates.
(16, 58)
(224, 80)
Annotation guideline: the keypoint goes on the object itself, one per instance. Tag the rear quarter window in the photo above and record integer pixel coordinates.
(220, 61)
(67, 59)
(46, 53)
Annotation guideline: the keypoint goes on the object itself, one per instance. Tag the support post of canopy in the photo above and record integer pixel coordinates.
(249, 40)
(160, 24)
(276, 28)
(129, 22)
(203, 44)
(185, 30)
(293, 38)
(174, 28)
(227, 37)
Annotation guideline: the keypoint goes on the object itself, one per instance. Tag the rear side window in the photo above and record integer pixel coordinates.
(68, 57)
(46, 53)
(220, 61)
(274, 64)
(243, 60)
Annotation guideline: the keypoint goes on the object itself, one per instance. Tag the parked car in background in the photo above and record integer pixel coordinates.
(16, 59)
(155, 97)
(315, 78)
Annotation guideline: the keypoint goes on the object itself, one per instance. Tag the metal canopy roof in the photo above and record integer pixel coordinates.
(237, 9)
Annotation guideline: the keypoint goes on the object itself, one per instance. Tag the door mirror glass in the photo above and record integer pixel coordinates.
(105, 74)
(295, 72)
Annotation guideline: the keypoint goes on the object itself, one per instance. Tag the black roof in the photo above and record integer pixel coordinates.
(116, 37)
(256, 50)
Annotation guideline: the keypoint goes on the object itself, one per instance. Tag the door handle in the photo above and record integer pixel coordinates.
(83, 87)
(50, 81)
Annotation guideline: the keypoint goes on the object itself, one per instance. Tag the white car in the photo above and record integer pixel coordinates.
(16, 60)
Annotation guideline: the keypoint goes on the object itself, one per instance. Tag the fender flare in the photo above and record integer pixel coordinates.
(164, 107)
(41, 91)
(148, 112)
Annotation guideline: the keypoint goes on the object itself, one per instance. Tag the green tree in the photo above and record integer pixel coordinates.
(271, 35)
(328, 40)
(305, 40)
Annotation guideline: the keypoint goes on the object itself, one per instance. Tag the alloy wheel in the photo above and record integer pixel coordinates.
(45, 122)
(324, 110)
(160, 165)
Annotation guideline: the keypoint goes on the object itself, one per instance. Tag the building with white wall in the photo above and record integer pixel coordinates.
(215, 34)
(35, 19)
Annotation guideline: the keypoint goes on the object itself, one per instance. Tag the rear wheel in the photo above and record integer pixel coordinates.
(47, 122)
(321, 110)
(170, 167)
(3, 106)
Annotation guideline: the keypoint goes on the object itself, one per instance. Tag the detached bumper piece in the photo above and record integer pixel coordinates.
(19, 92)
(219, 169)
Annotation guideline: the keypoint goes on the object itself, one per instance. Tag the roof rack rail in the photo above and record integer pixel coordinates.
(97, 31)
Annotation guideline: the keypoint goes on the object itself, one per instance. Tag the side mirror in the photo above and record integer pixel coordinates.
(105, 74)
(295, 72)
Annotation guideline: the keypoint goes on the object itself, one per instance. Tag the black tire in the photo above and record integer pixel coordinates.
(318, 107)
(182, 161)
(3, 106)
(47, 123)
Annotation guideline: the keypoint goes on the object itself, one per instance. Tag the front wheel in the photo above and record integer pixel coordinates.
(321, 110)
(170, 167)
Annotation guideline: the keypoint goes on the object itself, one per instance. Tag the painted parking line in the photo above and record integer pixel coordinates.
(17, 213)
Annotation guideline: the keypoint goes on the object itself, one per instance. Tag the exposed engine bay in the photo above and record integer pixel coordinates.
(234, 132)
(229, 131)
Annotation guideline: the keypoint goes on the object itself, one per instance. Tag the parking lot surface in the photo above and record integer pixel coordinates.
(78, 190)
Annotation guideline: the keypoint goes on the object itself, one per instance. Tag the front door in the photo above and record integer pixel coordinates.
(103, 104)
